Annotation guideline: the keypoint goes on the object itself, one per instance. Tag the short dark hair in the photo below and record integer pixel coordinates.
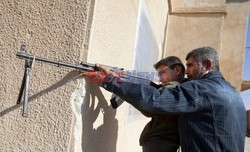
(202, 54)
(171, 62)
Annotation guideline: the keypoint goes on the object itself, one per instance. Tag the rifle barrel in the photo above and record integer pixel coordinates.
(84, 66)
(80, 67)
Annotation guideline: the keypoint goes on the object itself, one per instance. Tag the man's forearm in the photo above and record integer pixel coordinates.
(152, 100)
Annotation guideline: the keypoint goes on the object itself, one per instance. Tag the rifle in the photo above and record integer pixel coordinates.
(116, 101)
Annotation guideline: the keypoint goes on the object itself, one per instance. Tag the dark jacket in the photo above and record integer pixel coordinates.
(162, 128)
(212, 116)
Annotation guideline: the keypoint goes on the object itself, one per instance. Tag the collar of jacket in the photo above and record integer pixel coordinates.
(213, 74)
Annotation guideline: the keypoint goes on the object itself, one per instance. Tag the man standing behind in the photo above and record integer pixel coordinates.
(212, 116)
(161, 133)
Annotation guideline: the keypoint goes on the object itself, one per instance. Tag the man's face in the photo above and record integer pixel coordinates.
(167, 74)
(194, 70)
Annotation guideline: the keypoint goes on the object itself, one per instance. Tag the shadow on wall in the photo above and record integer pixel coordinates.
(69, 77)
(104, 137)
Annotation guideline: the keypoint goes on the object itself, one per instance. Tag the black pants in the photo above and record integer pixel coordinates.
(158, 146)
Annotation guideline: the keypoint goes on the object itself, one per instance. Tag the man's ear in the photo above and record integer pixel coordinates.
(178, 69)
(209, 65)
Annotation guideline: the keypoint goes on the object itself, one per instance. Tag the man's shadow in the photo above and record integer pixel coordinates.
(104, 137)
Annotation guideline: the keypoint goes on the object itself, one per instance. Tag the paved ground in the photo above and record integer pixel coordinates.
(247, 145)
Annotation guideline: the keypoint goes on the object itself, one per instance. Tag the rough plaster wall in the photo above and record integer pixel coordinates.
(234, 42)
(50, 28)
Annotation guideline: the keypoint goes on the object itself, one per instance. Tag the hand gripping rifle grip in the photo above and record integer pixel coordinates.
(116, 101)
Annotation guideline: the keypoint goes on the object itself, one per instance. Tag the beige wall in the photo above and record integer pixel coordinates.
(191, 6)
(54, 29)
(64, 30)
(188, 31)
(60, 31)
(112, 42)
(233, 42)
(191, 28)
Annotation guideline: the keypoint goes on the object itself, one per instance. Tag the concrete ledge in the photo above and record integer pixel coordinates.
(245, 85)
(200, 9)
